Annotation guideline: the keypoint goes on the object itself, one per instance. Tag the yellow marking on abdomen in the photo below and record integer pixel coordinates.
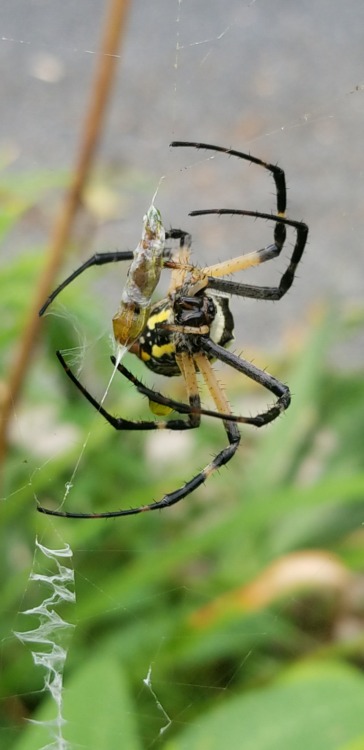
(159, 317)
(161, 351)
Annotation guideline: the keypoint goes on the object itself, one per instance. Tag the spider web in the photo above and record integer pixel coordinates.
(257, 76)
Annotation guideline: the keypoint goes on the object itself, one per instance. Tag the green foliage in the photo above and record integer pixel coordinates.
(329, 716)
(199, 593)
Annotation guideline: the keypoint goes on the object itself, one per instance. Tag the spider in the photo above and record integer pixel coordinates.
(189, 329)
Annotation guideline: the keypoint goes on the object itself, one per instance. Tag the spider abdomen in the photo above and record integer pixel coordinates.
(158, 344)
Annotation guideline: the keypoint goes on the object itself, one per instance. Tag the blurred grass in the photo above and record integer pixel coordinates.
(246, 599)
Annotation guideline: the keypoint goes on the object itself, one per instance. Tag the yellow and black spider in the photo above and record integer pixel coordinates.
(183, 333)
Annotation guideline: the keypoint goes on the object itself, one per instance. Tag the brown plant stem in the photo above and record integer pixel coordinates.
(108, 58)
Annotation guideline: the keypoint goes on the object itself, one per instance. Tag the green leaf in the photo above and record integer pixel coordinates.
(321, 710)
(97, 708)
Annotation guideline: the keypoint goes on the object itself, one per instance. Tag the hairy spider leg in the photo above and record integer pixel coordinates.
(193, 411)
(247, 368)
(222, 458)
(102, 259)
(260, 256)
(255, 258)
(262, 377)
(98, 259)
(280, 390)
(277, 172)
(119, 423)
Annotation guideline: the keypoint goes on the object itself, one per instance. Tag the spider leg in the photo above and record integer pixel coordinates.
(179, 406)
(256, 258)
(180, 263)
(277, 172)
(193, 408)
(252, 259)
(179, 234)
(119, 423)
(192, 411)
(247, 368)
(222, 458)
(280, 390)
(281, 200)
(188, 371)
(99, 259)
(102, 259)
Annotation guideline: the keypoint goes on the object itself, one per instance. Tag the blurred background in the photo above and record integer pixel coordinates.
(246, 599)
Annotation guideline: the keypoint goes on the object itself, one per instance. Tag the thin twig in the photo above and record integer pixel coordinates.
(113, 32)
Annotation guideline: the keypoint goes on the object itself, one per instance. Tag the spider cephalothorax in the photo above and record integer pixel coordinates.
(183, 333)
